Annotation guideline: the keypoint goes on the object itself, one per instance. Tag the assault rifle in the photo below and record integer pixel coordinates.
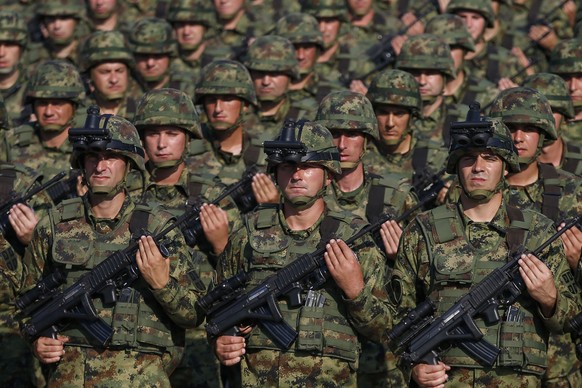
(420, 335)
(50, 309)
(228, 305)
(426, 183)
(574, 327)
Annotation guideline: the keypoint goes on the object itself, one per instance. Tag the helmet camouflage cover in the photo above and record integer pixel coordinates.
(426, 52)
(347, 110)
(56, 79)
(452, 29)
(226, 77)
(13, 28)
(105, 46)
(272, 53)
(299, 28)
(303, 142)
(194, 11)
(74, 8)
(395, 87)
(326, 9)
(482, 7)
(566, 57)
(152, 36)
(555, 89)
(168, 107)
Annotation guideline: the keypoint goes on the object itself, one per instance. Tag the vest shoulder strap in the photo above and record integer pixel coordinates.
(444, 218)
(552, 191)
(69, 209)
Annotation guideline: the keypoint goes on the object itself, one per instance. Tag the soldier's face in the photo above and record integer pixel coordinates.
(228, 9)
(392, 122)
(104, 169)
(110, 79)
(480, 170)
(329, 28)
(300, 180)
(350, 144)
(102, 9)
(475, 23)
(458, 55)
(360, 7)
(164, 143)
(222, 111)
(430, 82)
(58, 28)
(574, 82)
(270, 85)
(526, 139)
(10, 54)
(152, 66)
(189, 35)
(306, 54)
(53, 112)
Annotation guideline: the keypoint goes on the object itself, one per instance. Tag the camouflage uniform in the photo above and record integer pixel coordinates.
(556, 194)
(566, 62)
(327, 348)
(148, 325)
(555, 90)
(269, 11)
(13, 30)
(444, 253)
(351, 112)
(109, 46)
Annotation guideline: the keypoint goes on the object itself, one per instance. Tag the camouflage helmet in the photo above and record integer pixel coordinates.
(566, 57)
(555, 89)
(74, 8)
(326, 9)
(194, 11)
(426, 52)
(349, 111)
(303, 142)
(299, 28)
(58, 79)
(105, 46)
(4, 121)
(395, 87)
(481, 133)
(13, 28)
(272, 53)
(452, 29)
(482, 7)
(226, 77)
(106, 133)
(167, 107)
(152, 36)
(525, 106)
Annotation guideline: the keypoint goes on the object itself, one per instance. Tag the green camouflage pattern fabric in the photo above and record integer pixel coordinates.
(105, 46)
(572, 130)
(555, 90)
(268, 12)
(349, 111)
(226, 77)
(395, 87)
(272, 53)
(172, 107)
(56, 79)
(152, 36)
(326, 9)
(308, 362)
(74, 8)
(233, 43)
(299, 28)
(293, 108)
(566, 57)
(144, 349)
(426, 52)
(522, 105)
(494, 62)
(445, 269)
(13, 28)
(380, 25)
(482, 7)
(14, 98)
(470, 90)
(452, 29)
(193, 11)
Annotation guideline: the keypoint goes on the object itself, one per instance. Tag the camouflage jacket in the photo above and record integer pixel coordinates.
(493, 63)
(14, 98)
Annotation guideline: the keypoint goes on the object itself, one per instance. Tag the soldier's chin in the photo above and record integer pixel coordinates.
(102, 15)
(268, 98)
(53, 127)
(153, 78)
(220, 125)
(61, 41)
(7, 70)
(114, 96)
(577, 105)
(190, 46)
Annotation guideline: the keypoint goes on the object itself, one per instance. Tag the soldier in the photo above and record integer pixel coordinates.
(149, 315)
(327, 349)
(152, 43)
(566, 61)
(370, 25)
(350, 118)
(447, 250)
(13, 77)
(109, 67)
(561, 153)
(108, 15)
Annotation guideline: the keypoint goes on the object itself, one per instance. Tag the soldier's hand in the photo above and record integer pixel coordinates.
(397, 42)
(154, 267)
(344, 268)
(572, 240)
(569, 9)
(358, 86)
(230, 349)
(214, 223)
(23, 221)
(81, 186)
(390, 233)
(523, 60)
(264, 189)
(506, 83)
(434, 376)
(49, 350)
(544, 36)
(539, 281)
(408, 19)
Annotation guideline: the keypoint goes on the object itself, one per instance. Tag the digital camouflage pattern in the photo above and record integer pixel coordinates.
(426, 52)
(226, 77)
(482, 7)
(395, 87)
(566, 58)
(554, 88)
(452, 29)
(272, 53)
(193, 11)
(56, 79)
(299, 28)
(152, 36)
(13, 28)
(75, 8)
(168, 107)
(105, 46)
(326, 9)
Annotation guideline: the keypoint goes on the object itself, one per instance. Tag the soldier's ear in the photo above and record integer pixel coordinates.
(245, 107)
(43, 30)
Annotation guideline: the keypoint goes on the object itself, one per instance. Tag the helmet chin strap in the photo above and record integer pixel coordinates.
(230, 129)
(526, 161)
(154, 167)
(109, 97)
(107, 192)
(305, 202)
(352, 165)
(396, 142)
(56, 128)
(482, 195)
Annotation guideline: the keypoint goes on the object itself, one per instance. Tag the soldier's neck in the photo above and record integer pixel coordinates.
(64, 52)
(303, 219)
(108, 106)
(481, 212)
(553, 153)
(350, 180)
(362, 21)
(453, 85)
(328, 54)
(107, 208)
(527, 176)
(231, 23)
(428, 110)
(159, 84)
(107, 24)
(194, 55)
(168, 176)
(233, 142)
(8, 80)
(270, 108)
(479, 47)
(302, 82)
(54, 139)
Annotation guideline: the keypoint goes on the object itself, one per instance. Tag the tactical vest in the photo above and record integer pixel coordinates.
(384, 192)
(573, 159)
(522, 347)
(323, 331)
(138, 321)
(553, 189)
